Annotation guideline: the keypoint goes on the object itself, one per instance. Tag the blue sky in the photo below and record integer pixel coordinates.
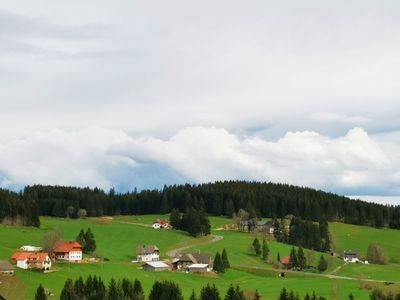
(140, 93)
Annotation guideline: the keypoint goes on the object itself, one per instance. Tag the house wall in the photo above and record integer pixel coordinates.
(70, 256)
(149, 257)
(22, 264)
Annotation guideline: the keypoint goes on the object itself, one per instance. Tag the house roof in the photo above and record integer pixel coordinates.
(67, 247)
(6, 266)
(198, 266)
(31, 256)
(146, 249)
(196, 258)
(157, 264)
(285, 260)
(160, 221)
(350, 253)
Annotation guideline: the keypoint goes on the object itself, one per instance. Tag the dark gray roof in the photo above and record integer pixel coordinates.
(352, 253)
(196, 258)
(146, 249)
(6, 266)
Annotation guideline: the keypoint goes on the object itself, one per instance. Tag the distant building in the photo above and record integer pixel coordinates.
(68, 251)
(147, 253)
(160, 223)
(6, 268)
(286, 261)
(183, 262)
(351, 256)
(31, 248)
(265, 226)
(32, 260)
(155, 266)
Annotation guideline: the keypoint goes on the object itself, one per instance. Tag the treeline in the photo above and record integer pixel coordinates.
(17, 209)
(220, 198)
(304, 233)
(126, 289)
(193, 221)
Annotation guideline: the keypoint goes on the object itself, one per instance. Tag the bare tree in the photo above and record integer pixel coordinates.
(50, 239)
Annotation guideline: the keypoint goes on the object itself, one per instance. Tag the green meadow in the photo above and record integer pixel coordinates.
(117, 240)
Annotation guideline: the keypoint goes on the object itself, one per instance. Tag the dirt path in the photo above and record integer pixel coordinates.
(338, 268)
(172, 253)
(132, 223)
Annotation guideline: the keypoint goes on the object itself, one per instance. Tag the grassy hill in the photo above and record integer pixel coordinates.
(118, 239)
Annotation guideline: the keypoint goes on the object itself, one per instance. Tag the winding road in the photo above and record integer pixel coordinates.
(172, 253)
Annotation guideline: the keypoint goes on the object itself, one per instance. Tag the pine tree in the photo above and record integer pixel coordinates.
(115, 291)
(283, 295)
(40, 293)
(257, 246)
(351, 297)
(218, 264)
(166, 290)
(265, 250)
(68, 292)
(90, 243)
(164, 206)
(138, 293)
(209, 293)
(301, 259)
(81, 238)
(293, 258)
(322, 264)
(278, 257)
(225, 260)
(234, 293)
(229, 208)
(192, 296)
(79, 287)
(175, 219)
(127, 288)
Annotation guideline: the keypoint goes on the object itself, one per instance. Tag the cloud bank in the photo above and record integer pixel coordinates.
(355, 163)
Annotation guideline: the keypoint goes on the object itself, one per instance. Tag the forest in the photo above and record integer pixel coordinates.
(261, 199)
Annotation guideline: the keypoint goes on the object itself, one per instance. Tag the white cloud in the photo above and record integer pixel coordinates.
(355, 163)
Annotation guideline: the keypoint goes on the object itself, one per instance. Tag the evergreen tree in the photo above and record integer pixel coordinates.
(90, 243)
(79, 287)
(256, 247)
(115, 291)
(164, 206)
(265, 250)
(193, 226)
(351, 297)
(68, 292)
(218, 264)
(225, 260)
(229, 209)
(293, 258)
(278, 257)
(322, 264)
(81, 238)
(209, 293)
(127, 288)
(301, 259)
(166, 290)
(234, 293)
(137, 290)
(175, 219)
(40, 293)
(192, 296)
(283, 295)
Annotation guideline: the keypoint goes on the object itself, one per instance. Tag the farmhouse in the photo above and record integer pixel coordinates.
(160, 223)
(68, 251)
(32, 260)
(155, 266)
(6, 268)
(184, 261)
(147, 253)
(351, 256)
(198, 268)
(31, 248)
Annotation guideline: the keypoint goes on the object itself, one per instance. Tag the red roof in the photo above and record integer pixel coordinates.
(285, 260)
(160, 221)
(35, 256)
(68, 247)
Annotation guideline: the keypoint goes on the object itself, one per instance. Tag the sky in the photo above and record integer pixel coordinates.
(129, 94)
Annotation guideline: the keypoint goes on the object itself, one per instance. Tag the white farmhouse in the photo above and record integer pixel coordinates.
(68, 251)
(147, 253)
(31, 260)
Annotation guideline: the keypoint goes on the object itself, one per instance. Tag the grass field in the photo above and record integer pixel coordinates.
(118, 239)
(359, 237)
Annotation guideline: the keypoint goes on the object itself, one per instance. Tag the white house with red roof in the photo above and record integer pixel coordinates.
(68, 251)
(160, 223)
(32, 260)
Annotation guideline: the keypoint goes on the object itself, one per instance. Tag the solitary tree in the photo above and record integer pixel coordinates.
(257, 247)
(265, 250)
(301, 259)
(322, 264)
(90, 243)
(293, 258)
(40, 293)
(225, 260)
(218, 264)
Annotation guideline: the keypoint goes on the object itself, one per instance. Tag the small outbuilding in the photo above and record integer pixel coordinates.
(351, 256)
(155, 266)
(198, 268)
(6, 268)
